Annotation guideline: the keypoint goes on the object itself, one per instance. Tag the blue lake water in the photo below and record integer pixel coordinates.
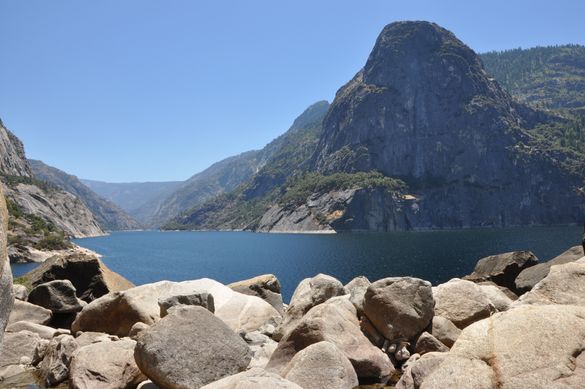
(437, 256)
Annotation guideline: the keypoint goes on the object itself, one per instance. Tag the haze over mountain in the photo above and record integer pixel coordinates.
(133, 197)
(421, 138)
(109, 216)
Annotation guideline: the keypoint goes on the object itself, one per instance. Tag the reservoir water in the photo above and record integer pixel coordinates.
(436, 256)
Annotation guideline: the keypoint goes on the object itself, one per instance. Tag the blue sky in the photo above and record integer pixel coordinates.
(143, 90)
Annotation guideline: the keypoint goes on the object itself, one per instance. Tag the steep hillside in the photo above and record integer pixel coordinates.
(544, 77)
(12, 158)
(285, 159)
(109, 216)
(41, 215)
(551, 78)
(421, 138)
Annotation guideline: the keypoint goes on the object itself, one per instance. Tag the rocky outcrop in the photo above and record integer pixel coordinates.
(116, 313)
(12, 158)
(334, 321)
(445, 331)
(497, 298)
(321, 365)
(18, 348)
(564, 285)
(357, 291)
(190, 348)
(253, 378)
(105, 365)
(54, 368)
(525, 347)
(108, 215)
(62, 209)
(202, 299)
(462, 302)
(502, 269)
(20, 292)
(24, 311)
(88, 274)
(534, 274)
(399, 307)
(427, 343)
(43, 331)
(309, 293)
(262, 347)
(6, 294)
(418, 368)
(266, 286)
(57, 296)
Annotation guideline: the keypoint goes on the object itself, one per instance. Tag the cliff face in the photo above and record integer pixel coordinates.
(33, 199)
(6, 296)
(108, 215)
(424, 110)
(12, 158)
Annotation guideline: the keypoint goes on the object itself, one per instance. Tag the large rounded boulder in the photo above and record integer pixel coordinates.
(321, 366)
(57, 296)
(190, 348)
(309, 293)
(502, 269)
(334, 321)
(462, 302)
(399, 307)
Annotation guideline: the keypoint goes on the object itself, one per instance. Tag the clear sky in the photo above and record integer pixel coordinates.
(144, 90)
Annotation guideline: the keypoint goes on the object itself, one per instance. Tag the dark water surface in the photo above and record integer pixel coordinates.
(436, 256)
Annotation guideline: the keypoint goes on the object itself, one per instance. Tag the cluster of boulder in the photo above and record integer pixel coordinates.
(512, 323)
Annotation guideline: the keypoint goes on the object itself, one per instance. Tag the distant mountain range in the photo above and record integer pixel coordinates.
(135, 198)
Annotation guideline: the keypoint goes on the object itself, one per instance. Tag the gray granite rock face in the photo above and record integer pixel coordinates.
(502, 269)
(190, 348)
(6, 295)
(423, 109)
(534, 274)
(202, 299)
(399, 307)
(58, 296)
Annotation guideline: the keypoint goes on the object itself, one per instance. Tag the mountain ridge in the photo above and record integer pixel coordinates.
(108, 215)
(422, 110)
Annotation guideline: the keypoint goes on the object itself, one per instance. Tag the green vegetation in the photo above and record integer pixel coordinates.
(303, 186)
(28, 229)
(568, 135)
(13, 181)
(53, 241)
(545, 77)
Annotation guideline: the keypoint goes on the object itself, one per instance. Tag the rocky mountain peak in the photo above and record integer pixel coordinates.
(409, 53)
(422, 107)
(12, 157)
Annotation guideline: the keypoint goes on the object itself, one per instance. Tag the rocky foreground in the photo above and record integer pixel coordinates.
(512, 323)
